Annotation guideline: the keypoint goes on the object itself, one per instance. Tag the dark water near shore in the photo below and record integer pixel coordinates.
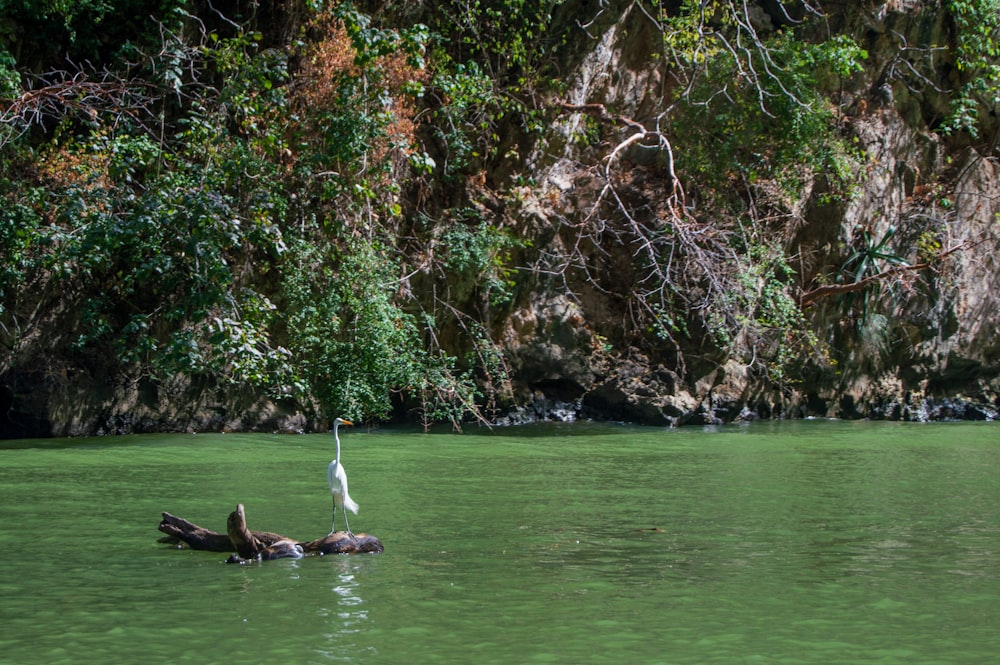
(797, 542)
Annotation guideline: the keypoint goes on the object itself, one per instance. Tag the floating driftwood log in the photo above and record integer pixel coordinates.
(250, 545)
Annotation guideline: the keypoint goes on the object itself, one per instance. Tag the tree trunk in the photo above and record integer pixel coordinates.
(246, 545)
(260, 545)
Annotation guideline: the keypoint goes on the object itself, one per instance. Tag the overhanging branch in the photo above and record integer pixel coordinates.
(811, 296)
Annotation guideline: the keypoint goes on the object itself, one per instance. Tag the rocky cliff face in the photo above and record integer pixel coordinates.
(931, 352)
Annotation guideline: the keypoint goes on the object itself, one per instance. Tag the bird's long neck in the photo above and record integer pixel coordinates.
(336, 437)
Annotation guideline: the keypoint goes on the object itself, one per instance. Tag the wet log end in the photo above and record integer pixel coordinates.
(341, 542)
(246, 546)
(196, 537)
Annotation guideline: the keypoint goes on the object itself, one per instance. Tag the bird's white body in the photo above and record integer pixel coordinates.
(336, 477)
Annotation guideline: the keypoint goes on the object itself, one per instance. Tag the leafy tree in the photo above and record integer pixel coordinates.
(211, 211)
(977, 50)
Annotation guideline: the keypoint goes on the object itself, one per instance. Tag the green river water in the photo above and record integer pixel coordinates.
(794, 542)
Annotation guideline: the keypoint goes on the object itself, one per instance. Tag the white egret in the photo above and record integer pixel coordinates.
(337, 478)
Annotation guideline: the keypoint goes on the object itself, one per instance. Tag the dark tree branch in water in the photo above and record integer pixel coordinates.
(260, 545)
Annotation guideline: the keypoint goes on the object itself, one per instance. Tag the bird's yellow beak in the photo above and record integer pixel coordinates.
(348, 422)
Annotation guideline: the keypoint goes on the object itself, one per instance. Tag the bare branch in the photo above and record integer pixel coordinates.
(811, 296)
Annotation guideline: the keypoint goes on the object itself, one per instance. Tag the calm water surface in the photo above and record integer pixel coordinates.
(801, 542)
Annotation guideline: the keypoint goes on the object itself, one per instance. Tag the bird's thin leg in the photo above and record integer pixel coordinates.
(333, 523)
(347, 523)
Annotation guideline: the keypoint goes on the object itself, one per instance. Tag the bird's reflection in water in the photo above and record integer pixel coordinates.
(345, 616)
(346, 592)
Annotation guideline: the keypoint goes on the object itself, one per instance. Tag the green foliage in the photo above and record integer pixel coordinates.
(977, 57)
(371, 42)
(157, 256)
(869, 255)
(928, 246)
(352, 126)
(762, 114)
(47, 33)
(167, 216)
(868, 258)
(764, 318)
(508, 39)
(148, 235)
(20, 224)
(477, 258)
(361, 342)
(492, 60)
(20, 213)
(353, 346)
(10, 80)
(253, 91)
(466, 121)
